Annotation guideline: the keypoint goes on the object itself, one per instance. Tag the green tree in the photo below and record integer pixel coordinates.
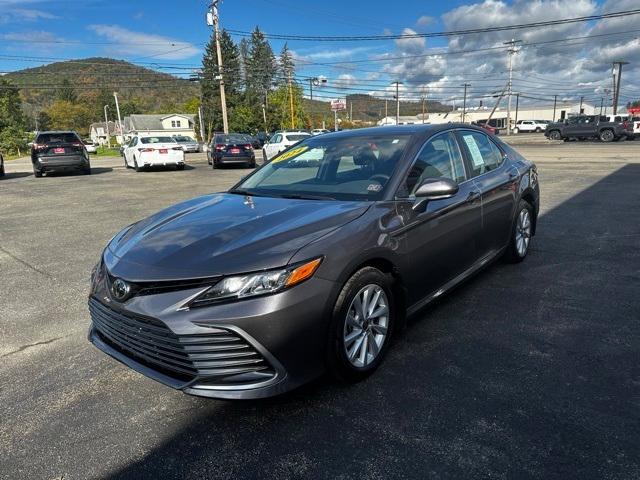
(10, 106)
(66, 92)
(191, 106)
(13, 139)
(210, 82)
(261, 68)
(44, 121)
(286, 65)
(279, 116)
(70, 116)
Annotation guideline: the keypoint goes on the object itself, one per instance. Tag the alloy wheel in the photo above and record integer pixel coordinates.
(366, 325)
(523, 232)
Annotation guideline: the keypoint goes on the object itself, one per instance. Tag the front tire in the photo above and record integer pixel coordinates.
(555, 135)
(37, 173)
(521, 233)
(362, 325)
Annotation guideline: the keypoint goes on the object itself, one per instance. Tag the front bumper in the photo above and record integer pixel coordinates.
(283, 334)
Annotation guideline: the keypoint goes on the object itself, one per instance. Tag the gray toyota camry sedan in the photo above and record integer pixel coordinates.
(312, 262)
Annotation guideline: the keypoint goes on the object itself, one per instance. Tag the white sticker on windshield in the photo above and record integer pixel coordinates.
(395, 140)
(476, 156)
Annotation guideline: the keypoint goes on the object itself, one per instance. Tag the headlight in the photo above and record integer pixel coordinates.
(253, 284)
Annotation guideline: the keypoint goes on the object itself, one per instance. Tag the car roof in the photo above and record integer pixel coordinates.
(414, 129)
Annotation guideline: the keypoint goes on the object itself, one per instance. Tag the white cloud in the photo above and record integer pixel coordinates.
(425, 20)
(345, 80)
(412, 45)
(131, 43)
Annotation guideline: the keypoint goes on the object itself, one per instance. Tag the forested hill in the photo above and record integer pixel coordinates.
(90, 78)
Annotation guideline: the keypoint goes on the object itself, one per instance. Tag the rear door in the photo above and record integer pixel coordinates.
(440, 242)
(497, 181)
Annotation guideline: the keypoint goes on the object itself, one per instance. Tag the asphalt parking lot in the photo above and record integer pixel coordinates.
(526, 371)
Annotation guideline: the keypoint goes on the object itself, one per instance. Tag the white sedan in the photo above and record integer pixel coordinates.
(148, 151)
(281, 141)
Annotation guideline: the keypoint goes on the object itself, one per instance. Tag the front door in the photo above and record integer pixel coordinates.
(438, 243)
(497, 181)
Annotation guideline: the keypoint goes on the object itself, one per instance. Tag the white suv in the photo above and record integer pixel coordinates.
(530, 126)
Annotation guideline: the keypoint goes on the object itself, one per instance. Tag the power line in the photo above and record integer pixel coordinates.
(521, 26)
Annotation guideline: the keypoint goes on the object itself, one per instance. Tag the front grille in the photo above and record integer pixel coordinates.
(218, 356)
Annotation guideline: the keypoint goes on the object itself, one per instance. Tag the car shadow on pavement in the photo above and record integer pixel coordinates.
(70, 173)
(10, 175)
(525, 371)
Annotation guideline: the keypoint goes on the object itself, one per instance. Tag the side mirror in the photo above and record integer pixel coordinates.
(434, 189)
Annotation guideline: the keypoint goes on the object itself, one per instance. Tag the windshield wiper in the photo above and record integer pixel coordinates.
(301, 196)
(242, 191)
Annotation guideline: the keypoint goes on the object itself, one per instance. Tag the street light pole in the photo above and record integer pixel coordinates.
(214, 19)
(106, 125)
(555, 99)
(512, 51)
(115, 95)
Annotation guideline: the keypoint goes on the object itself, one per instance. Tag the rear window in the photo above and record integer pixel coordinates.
(183, 139)
(233, 138)
(157, 140)
(295, 138)
(68, 137)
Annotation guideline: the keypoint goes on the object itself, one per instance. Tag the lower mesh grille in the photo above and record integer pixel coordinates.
(215, 356)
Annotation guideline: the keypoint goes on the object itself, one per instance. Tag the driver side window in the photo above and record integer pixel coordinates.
(439, 157)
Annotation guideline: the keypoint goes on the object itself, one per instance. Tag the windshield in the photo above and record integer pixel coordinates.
(183, 139)
(342, 168)
(157, 140)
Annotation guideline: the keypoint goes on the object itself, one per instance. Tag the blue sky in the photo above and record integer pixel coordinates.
(171, 34)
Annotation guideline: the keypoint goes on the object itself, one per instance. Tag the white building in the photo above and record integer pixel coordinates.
(171, 125)
(98, 133)
(499, 118)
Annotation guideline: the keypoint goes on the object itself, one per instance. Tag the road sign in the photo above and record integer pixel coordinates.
(338, 104)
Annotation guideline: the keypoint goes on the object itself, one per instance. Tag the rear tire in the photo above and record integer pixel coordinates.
(86, 170)
(37, 173)
(538, 129)
(135, 165)
(521, 234)
(358, 337)
(606, 135)
(180, 167)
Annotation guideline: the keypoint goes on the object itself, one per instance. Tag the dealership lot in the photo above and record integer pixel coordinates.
(527, 371)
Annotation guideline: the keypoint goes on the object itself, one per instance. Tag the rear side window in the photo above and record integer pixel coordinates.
(67, 137)
(439, 157)
(295, 138)
(483, 153)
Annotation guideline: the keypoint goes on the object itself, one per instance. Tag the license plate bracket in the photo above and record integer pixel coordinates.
(58, 150)
(163, 150)
(235, 150)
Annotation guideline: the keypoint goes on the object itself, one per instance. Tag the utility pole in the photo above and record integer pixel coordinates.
(423, 99)
(512, 51)
(616, 84)
(515, 121)
(214, 19)
(293, 125)
(606, 94)
(581, 100)
(115, 95)
(397, 84)
(106, 125)
(601, 104)
(201, 122)
(464, 101)
(264, 117)
(386, 110)
(555, 100)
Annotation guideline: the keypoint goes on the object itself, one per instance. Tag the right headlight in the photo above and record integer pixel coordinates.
(254, 284)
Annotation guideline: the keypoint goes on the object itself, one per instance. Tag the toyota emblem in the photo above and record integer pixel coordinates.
(120, 289)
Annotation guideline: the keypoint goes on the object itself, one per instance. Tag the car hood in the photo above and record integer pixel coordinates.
(223, 234)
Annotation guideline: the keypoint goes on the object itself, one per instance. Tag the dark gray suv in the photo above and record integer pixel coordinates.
(57, 151)
(313, 261)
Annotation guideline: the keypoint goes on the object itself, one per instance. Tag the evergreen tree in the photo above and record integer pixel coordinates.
(244, 49)
(261, 67)
(66, 92)
(287, 66)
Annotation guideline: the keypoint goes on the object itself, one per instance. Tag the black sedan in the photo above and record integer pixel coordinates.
(231, 149)
(312, 262)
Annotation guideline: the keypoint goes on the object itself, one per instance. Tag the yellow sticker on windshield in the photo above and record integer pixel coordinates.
(290, 154)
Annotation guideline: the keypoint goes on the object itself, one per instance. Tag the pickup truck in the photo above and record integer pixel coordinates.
(589, 126)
